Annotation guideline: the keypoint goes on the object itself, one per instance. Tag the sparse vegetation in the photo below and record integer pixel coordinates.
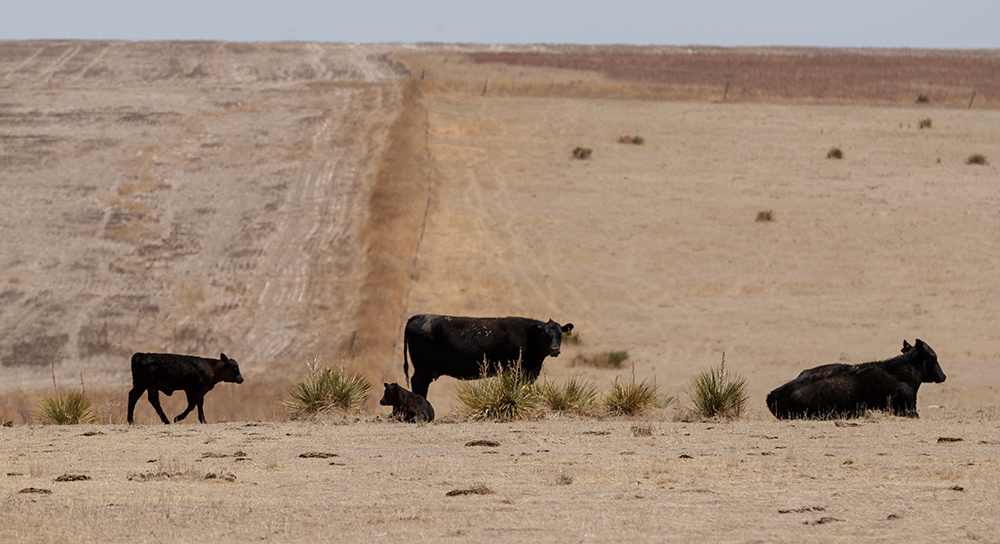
(835, 153)
(642, 431)
(327, 390)
(632, 399)
(977, 158)
(765, 216)
(582, 152)
(574, 395)
(923, 99)
(717, 393)
(507, 396)
(925, 123)
(72, 409)
(607, 359)
(634, 140)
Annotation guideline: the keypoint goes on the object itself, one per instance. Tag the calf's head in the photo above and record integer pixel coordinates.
(392, 396)
(553, 333)
(926, 360)
(230, 370)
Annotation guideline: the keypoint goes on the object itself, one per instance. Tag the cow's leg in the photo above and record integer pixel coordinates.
(191, 405)
(133, 397)
(154, 399)
(201, 409)
(421, 382)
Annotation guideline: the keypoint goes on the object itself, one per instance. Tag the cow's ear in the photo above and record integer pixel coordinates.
(386, 385)
(906, 346)
(920, 344)
(567, 328)
(223, 357)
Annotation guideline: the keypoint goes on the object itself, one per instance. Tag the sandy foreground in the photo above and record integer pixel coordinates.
(557, 480)
(295, 203)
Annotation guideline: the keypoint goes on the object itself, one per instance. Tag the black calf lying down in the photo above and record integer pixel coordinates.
(406, 405)
(838, 390)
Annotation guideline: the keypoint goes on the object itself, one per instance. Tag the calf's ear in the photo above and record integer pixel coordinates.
(906, 346)
(223, 357)
(567, 327)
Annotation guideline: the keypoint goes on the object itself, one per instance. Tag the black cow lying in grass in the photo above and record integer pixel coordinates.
(469, 347)
(406, 405)
(168, 373)
(839, 390)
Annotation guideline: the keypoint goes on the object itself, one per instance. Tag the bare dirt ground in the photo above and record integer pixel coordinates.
(285, 203)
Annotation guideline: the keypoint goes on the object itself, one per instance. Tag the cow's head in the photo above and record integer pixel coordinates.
(553, 332)
(927, 361)
(391, 396)
(230, 371)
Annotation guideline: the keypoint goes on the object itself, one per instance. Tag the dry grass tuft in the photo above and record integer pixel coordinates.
(633, 399)
(575, 395)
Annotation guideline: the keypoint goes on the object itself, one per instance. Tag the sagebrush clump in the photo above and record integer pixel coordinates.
(977, 159)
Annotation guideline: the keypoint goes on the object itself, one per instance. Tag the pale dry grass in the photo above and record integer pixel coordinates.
(595, 479)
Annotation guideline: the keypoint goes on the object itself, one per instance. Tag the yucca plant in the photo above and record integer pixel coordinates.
(574, 395)
(631, 399)
(507, 396)
(327, 390)
(717, 393)
(73, 409)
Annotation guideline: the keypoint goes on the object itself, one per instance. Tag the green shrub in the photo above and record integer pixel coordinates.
(925, 123)
(327, 390)
(977, 158)
(508, 396)
(923, 99)
(634, 140)
(574, 395)
(765, 216)
(631, 399)
(582, 152)
(716, 393)
(73, 409)
(835, 153)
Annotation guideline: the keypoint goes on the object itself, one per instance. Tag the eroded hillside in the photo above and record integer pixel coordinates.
(186, 197)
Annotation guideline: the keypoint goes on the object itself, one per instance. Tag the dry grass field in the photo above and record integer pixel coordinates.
(295, 203)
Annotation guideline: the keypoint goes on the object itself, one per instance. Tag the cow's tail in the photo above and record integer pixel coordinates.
(406, 363)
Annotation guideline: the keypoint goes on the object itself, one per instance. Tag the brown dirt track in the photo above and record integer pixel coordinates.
(286, 203)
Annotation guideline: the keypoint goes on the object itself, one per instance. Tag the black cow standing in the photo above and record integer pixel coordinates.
(839, 390)
(466, 347)
(168, 373)
(406, 405)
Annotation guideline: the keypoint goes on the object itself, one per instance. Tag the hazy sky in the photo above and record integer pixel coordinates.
(961, 24)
